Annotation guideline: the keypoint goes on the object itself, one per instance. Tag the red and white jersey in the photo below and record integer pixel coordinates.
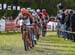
(20, 16)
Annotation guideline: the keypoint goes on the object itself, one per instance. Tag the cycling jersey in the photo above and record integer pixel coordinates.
(27, 22)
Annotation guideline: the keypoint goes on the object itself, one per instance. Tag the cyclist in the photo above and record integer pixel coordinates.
(45, 19)
(26, 16)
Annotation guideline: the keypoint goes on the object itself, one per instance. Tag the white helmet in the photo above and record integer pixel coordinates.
(38, 10)
(31, 10)
(28, 9)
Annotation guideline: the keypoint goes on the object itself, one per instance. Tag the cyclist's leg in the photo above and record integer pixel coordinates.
(22, 33)
(29, 38)
(37, 25)
(25, 41)
(40, 29)
(36, 32)
(43, 29)
(35, 36)
(32, 36)
(43, 32)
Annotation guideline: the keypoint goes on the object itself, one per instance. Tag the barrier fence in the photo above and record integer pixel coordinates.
(11, 25)
(67, 31)
(8, 25)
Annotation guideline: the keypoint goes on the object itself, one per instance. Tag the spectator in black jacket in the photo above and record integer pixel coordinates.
(67, 22)
(61, 18)
(72, 24)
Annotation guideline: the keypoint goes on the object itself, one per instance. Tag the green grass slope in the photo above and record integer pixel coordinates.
(12, 44)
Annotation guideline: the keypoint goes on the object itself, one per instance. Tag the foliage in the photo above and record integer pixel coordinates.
(50, 5)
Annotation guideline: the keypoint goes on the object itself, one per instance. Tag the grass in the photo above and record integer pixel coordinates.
(12, 44)
(10, 39)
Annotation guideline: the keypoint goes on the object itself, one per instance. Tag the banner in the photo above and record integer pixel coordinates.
(4, 6)
(11, 25)
(51, 26)
(0, 6)
(9, 8)
(2, 25)
(14, 7)
(18, 8)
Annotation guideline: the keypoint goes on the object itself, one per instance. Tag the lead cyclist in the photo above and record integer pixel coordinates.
(25, 28)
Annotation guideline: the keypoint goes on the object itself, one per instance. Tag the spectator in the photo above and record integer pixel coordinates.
(72, 23)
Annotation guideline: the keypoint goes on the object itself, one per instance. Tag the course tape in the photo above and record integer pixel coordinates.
(67, 31)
